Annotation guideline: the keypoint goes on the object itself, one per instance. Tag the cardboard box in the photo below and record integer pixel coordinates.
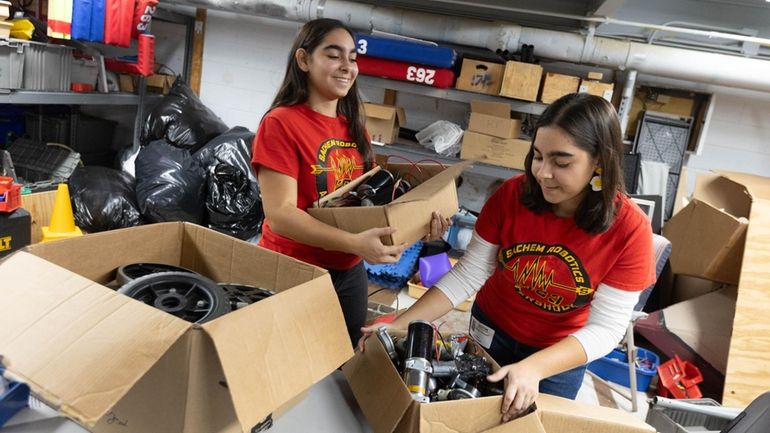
(597, 88)
(114, 364)
(388, 406)
(708, 235)
(480, 76)
(160, 83)
(411, 213)
(509, 152)
(493, 118)
(384, 121)
(126, 83)
(557, 85)
(521, 80)
(416, 290)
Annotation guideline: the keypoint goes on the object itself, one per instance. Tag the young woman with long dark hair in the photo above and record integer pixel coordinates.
(311, 142)
(558, 257)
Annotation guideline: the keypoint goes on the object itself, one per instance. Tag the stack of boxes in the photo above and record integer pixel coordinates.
(492, 136)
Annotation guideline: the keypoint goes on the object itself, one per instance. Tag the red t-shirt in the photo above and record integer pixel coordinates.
(320, 154)
(548, 268)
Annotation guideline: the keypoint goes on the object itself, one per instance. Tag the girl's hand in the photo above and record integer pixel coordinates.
(438, 226)
(369, 246)
(522, 389)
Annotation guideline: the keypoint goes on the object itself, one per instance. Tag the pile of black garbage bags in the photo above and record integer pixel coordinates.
(190, 167)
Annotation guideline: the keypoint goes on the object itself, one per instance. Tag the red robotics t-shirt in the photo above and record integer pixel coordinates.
(319, 153)
(548, 268)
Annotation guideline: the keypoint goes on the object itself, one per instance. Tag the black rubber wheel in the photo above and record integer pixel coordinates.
(241, 295)
(133, 271)
(186, 295)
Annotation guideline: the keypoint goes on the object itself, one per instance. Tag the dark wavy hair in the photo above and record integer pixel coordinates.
(593, 124)
(294, 89)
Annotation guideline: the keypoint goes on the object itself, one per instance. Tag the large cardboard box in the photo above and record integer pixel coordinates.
(383, 121)
(507, 152)
(385, 401)
(521, 80)
(434, 190)
(708, 235)
(480, 76)
(114, 364)
(493, 118)
(557, 85)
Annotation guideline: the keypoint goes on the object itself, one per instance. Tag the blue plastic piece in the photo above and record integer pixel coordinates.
(81, 19)
(433, 267)
(395, 275)
(97, 21)
(613, 367)
(15, 398)
(405, 51)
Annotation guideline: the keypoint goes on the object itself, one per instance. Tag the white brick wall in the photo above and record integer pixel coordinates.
(244, 59)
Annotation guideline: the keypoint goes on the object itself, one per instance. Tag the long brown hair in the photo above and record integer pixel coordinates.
(294, 89)
(593, 124)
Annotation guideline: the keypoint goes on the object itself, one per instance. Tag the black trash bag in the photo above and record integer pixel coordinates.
(233, 203)
(126, 159)
(170, 184)
(103, 199)
(182, 120)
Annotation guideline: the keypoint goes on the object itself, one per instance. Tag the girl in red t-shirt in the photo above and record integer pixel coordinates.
(558, 257)
(312, 141)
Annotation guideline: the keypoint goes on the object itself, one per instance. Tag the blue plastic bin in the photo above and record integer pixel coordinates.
(15, 398)
(614, 368)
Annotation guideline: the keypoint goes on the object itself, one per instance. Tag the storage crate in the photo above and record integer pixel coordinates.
(41, 165)
(613, 367)
(48, 127)
(47, 67)
(11, 64)
(667, 420)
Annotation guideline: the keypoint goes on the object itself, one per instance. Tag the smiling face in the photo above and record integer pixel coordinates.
(331, 67)
(562, 169)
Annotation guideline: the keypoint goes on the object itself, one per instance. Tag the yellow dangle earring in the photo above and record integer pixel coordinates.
(596, 181)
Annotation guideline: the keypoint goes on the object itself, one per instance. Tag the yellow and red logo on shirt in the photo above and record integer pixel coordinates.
(338, 163)
(551, 277)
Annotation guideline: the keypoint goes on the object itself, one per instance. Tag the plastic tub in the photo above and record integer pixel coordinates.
(47, 67)
(11, 64)
(667, 420)
(613, 367)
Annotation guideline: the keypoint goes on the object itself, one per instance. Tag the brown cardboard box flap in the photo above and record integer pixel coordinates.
(353, 219)
(497, 109)
(385, 112)
(705, 324)
(371, 390)
(560, 414)
(723, 193)
(350, 186)
(758, 186)
(464, 416)
(98, 263)
(250, 339)
(98, 343)
(716, 256)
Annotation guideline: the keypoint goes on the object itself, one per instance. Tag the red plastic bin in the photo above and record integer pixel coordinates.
(10, 195)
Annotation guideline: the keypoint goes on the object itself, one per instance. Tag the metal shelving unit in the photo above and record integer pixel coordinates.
(414, 152)
(535, 108)
(73, 98)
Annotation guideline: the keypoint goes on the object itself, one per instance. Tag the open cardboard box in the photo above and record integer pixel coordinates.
(410, 214)
(383, 121)
(387, 404)
(708, 235)
(739, 194)
(114, 364)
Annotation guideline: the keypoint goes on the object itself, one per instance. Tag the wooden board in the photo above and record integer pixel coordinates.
(40, 206)
(748, 361)
(557, 85)
(521, 81)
